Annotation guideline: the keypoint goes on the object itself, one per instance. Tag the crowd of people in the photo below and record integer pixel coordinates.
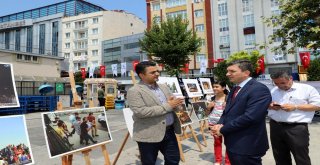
(81, 126)
(238, 117)
(15, 155)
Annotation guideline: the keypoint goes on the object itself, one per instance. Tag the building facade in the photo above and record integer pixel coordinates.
(82, 35)
(32, 40)
(123, 49)
(238, 25)
(198, 12)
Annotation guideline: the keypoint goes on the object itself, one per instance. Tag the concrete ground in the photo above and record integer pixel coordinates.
(129, 155)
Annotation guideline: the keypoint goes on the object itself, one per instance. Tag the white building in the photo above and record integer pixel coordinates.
(82, 35)
(238, 25)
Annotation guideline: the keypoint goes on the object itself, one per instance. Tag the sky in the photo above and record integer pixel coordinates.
(12, 131)
(137, 7)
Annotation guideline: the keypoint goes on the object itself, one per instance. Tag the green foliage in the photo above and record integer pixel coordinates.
(78, 78)
(220, 73)
(298, 23)
(171, 42)
(314, 70)
(221, 70)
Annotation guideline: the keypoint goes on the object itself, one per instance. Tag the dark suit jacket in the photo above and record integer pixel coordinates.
(244, 126)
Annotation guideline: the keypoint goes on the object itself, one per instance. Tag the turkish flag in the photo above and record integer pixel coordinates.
(134, 63)
(83, 73)
(305, 59)
(261, 67)
(186, 68)
(102, 70)
(220, 60)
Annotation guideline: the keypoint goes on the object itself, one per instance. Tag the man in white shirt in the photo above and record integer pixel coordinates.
(292, 108)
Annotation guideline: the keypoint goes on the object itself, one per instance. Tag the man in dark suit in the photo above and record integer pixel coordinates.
(243, 121)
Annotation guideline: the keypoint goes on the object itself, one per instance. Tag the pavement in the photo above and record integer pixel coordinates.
(118, 128)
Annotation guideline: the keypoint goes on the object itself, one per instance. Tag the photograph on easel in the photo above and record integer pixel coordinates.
(183, 115)
(192, 87)
(172, 83)
(14, 141)
(200, 109)
(206, 85)
(74, 130)
(8, 93)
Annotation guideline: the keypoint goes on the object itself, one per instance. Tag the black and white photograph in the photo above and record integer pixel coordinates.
(8, 93)
(172, 83)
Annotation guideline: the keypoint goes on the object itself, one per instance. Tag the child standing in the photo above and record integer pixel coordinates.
(216, 106)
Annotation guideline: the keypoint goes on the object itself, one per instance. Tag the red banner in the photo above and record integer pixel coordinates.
(83, 73)
(305, 59)
(186, 68)
(102, 70)
(261, 67)
(134, 63)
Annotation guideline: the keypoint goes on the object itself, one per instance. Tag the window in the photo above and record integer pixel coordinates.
(248, 20)
(27, 58)
(94, 64)
(225, 41)
(197, 1)
(34, 58)
(80, 24)
(182, 13)
(247, 6)
(199, 28)
(279, 56)
(17, 46)
(155, 6)
(174, 3)
(42, 38)
(157, 19)
(29, 39)
(198, 13)
(225, 53)
(203, 42)
(67, 25)
(224, 25)
(95, 31)
(200, 57)
(67, 45)
(95, 42)
(274, 3)
(250, 39)
(66, 55)
(67, 35)
(222, 9)
(82, 45)
(277, 39)
(94, 52)
(82, 35)
(19, 56)
(79, 65)
(95, 20)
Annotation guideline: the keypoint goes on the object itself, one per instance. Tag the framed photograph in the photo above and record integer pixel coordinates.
(74, 130)
(183, 115)
(8, 92)
(200, 110)
(192, 87)
(206, 85)
(172, 83)
(15, 146)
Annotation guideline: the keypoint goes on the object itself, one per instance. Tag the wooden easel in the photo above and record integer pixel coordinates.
(127, 135)
(67, 159)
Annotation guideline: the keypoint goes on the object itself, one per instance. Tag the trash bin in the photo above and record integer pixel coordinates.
(119, 104)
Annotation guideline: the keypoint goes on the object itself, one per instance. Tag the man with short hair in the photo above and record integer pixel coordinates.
(292, 108)
(243, 121)
(155, 122)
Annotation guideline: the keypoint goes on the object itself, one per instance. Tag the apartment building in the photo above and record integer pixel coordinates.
(238, 25)
(198, 12)
(82, 35)
(32, 40)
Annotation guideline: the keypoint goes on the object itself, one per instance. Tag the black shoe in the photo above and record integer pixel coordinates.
(87, 143)
(95, 142)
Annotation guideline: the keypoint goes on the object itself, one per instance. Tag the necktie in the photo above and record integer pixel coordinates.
(237, 88)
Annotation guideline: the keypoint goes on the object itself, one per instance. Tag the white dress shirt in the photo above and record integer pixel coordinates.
(298, 94)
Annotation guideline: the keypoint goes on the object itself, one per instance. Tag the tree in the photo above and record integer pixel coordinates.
(221, 70)
(171, 42)
(298, 23)
(314, 70)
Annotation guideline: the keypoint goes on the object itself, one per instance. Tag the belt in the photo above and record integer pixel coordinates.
(287, 123)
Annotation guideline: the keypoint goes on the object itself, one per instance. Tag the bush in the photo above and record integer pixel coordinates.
(314, 70)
